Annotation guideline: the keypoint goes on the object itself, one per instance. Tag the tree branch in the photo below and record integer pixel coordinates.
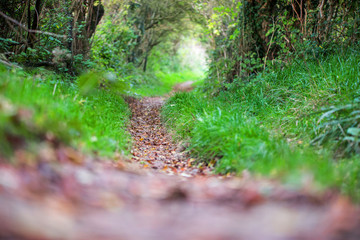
(29, 30)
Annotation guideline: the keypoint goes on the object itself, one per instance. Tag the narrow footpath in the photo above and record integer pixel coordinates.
(71, 196)
(153, 147)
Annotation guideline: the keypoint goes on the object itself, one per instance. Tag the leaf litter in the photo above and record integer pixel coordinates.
(153, 146)
(60, 193)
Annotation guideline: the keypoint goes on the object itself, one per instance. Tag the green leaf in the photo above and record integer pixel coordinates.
(352, 139)
(354, 132)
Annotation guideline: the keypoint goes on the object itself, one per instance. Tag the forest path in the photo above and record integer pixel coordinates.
(153, 147)
(71, 196)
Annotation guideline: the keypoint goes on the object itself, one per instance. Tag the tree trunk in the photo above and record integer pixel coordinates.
(35, 23)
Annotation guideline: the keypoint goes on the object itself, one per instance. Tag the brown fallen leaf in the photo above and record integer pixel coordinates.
(73, 155)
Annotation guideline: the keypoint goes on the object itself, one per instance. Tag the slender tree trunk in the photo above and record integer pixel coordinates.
(35, 23)
(70, 33)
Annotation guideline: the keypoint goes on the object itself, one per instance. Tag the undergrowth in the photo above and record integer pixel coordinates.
(41, 104)
(289, 122)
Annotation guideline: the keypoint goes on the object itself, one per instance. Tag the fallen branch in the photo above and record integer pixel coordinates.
(8, 64)
(30, 30)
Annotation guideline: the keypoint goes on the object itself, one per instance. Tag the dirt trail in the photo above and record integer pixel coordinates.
(153, 146)
(71, 196)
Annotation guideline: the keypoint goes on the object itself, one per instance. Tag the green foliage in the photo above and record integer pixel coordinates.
(153, 21)
(52, 34)
(339, 126)
(218, 131)
(248, 36)
(289, 121)
(112, 44)
(41, 104)
(185, 51)
(176, 60)
(111, 48)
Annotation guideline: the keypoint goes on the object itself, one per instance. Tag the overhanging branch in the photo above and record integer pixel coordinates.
(29, 30)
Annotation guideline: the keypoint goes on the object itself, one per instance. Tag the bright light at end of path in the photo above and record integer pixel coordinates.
(193, 55)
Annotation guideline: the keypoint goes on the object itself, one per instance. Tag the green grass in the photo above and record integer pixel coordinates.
(94, 122)
(271, 125)
(218, 131)
(164, 82)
